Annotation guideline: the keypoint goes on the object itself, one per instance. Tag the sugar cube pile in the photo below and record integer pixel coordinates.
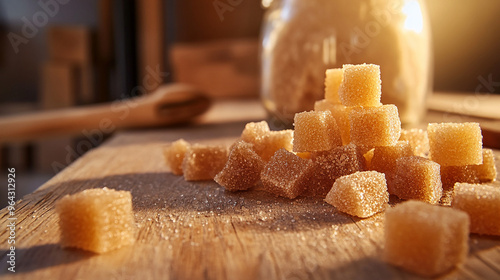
(352, 152)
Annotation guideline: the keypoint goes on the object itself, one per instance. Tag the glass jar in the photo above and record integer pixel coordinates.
(301, 39)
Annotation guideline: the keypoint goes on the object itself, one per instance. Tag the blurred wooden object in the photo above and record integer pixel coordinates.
(204, 21)
(104, 53)
(73, 45)
(150, 44)
(59, 85)
(15, 155)
(59, 89)
(225, 68)
(67, 80)
(69, 44)
(478, 104)
(170, 104)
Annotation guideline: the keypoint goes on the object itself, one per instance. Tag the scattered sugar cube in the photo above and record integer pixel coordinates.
(417, 178)
(455, 144)
(418, 139)
(286, 174)
(266, 142)
(361, 85)
(203, 162)
(487, 171)
(332, 83)
(425, 239)
(361, 194)
(375, 126)
(97, 220)
(384, 159)
(315, 131)
(242, 169)
(482, 203)
(174, 155)
(330, 165)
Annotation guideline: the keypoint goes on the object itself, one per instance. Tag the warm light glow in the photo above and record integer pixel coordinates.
(266, 3)
(413, 14)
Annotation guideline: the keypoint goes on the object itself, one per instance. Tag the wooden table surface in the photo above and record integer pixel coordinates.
(196, 230)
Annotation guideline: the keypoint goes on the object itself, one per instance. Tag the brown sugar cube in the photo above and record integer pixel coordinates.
(286, 174)
(425, 239)
(453, 174)
(273, 141)
(361, 85)
(375, 126)
(96, 220)
(254, 131)
(458, 174)
(455, 144)
(384, 159)
(315, 131)
(174, 155)
(417, 178)
(330, 165)
(266, 142)
(341, 115)
(487, 171)
(472, 174)
(203, 162)
(332, 83)
(242, 169)
(361, 194)
(418, 139)
(482, 203)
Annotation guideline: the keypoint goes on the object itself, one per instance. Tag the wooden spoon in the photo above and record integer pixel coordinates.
(168, 105)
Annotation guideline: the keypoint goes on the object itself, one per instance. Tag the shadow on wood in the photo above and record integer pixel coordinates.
(48, 255)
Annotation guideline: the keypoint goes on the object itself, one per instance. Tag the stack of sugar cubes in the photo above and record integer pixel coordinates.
(351, 151)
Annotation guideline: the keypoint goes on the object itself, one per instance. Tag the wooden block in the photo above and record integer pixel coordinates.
(226, 68)
(59, 85)
(85, 91)
(150, 43)
(70, 44)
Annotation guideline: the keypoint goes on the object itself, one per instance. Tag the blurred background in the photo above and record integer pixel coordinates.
(62, 53)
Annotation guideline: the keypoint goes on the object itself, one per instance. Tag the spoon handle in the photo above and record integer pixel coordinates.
(136, 112)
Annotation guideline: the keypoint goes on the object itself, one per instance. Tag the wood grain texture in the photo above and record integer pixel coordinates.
(196, 230)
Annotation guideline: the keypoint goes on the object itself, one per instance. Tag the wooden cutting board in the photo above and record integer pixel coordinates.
(196, 230)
